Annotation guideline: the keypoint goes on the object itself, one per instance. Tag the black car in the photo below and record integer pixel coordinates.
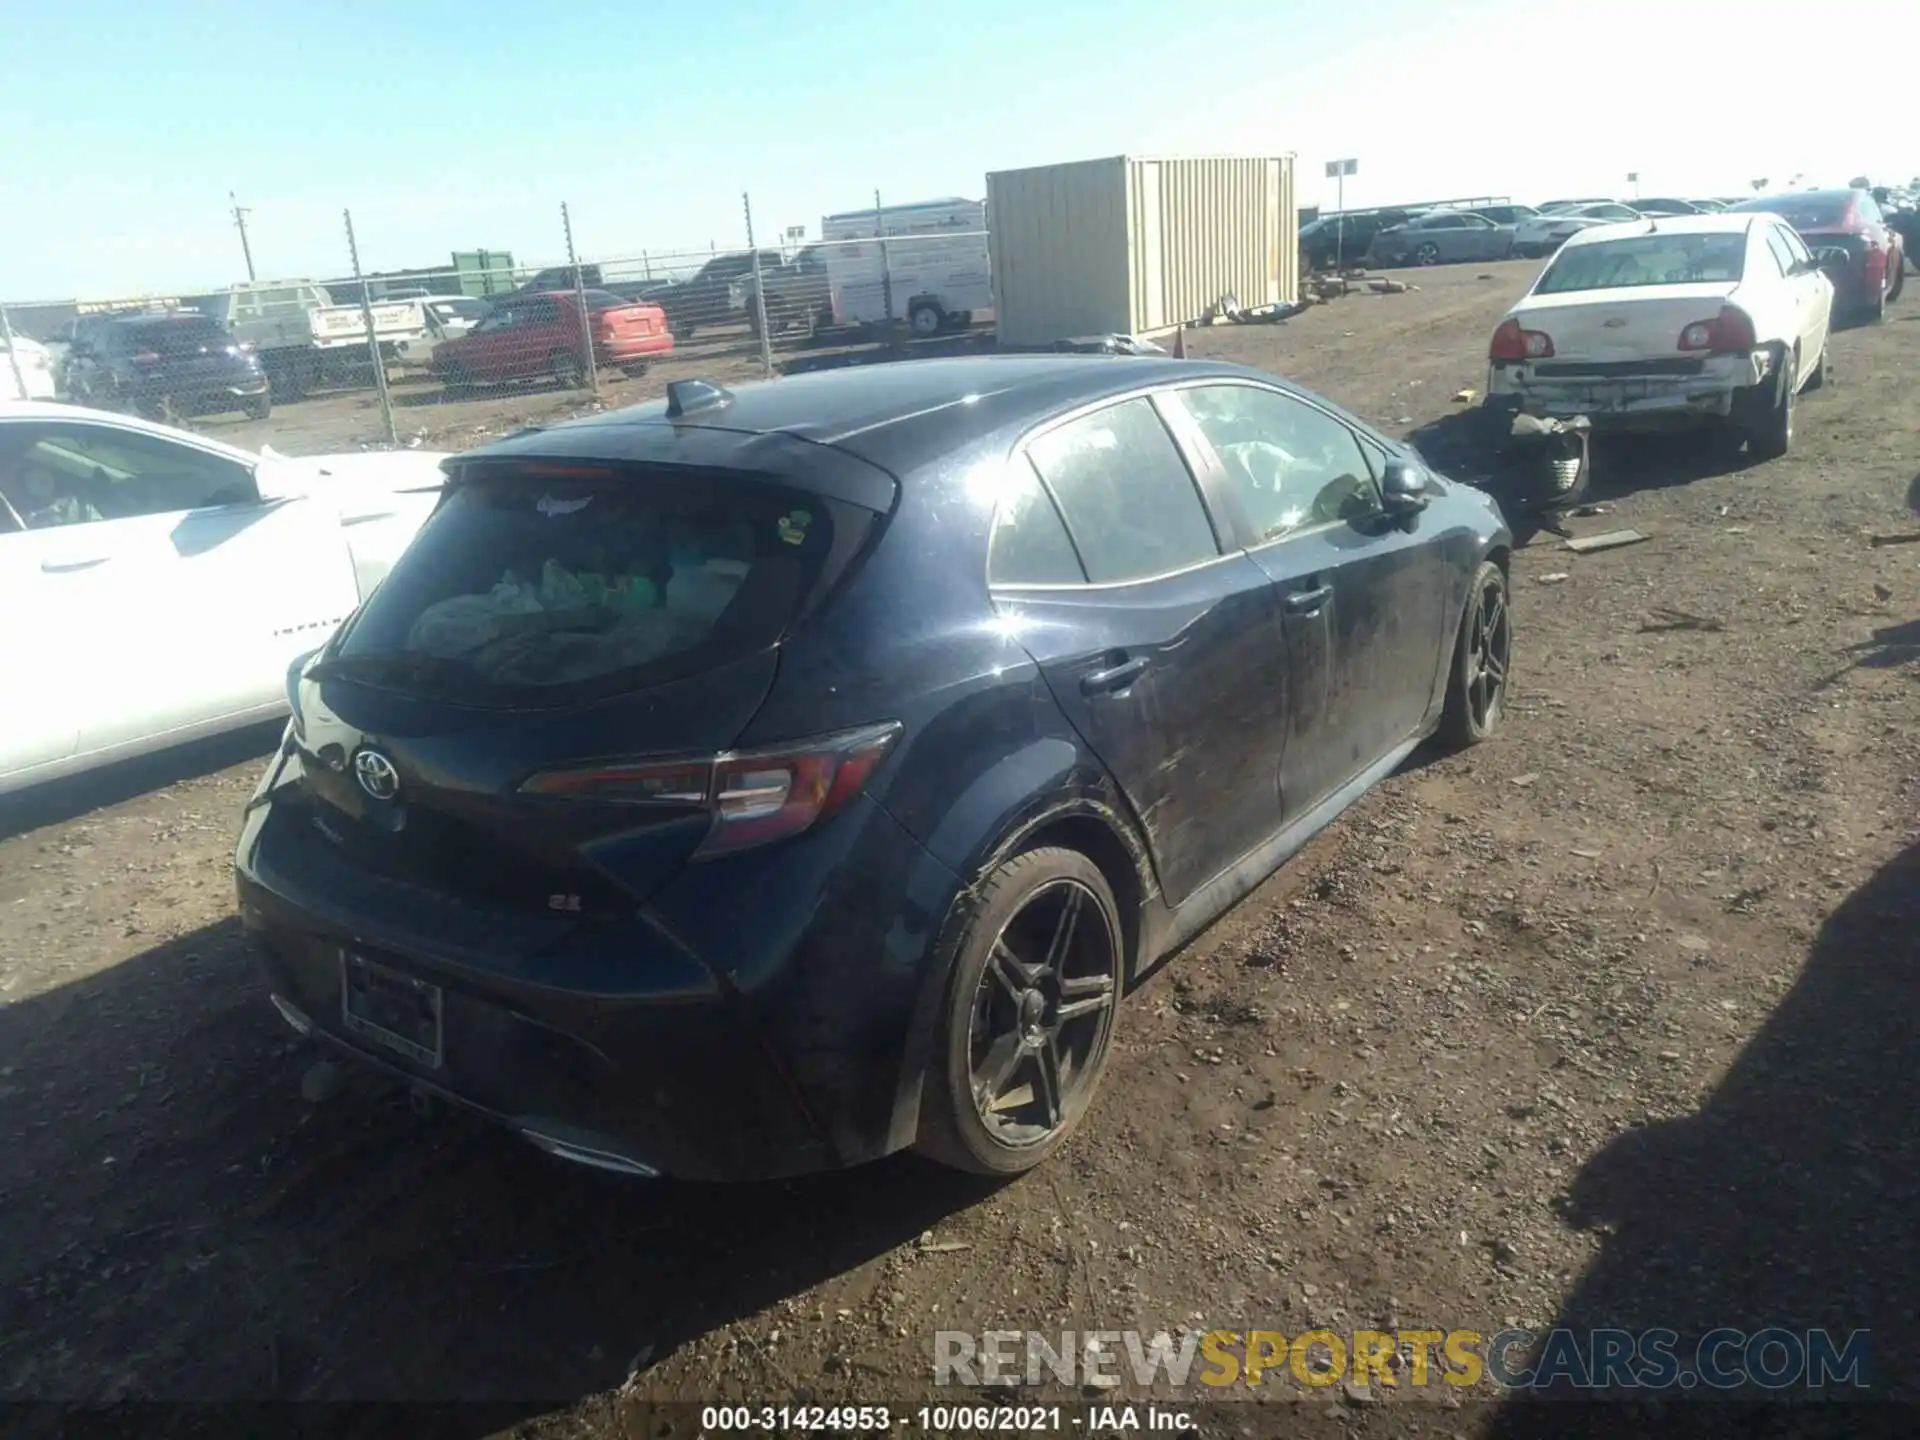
(748, 784)
(1343, 236)
(715, 294)
(153, 362)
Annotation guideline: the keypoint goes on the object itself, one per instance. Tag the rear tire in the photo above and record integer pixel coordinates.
(456, 382)
(1030, 1012)
(258, 407)
(1899, 268)
(1822, 370)
(634, 371)
(1482, 660)
(926, 319)
(567, 370)
(1770, 433)
(1427, 254)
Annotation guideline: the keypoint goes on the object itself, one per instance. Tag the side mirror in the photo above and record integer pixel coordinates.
(1403, 487)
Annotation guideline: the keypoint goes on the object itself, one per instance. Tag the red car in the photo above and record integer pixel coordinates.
(1850, 221)
(526, 336)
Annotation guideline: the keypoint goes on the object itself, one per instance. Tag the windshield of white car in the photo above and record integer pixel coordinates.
(458, 309)
(1646, 260)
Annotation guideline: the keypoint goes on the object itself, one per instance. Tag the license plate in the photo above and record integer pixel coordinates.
(391, 1009)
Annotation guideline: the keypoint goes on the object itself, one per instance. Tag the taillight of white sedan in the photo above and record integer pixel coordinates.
(1717, 320)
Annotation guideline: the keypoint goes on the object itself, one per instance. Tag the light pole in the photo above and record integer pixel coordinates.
(240, 214)
(1337, 171)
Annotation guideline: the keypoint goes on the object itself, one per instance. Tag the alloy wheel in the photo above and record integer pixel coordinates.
(1489, 651)
(1042, 1013)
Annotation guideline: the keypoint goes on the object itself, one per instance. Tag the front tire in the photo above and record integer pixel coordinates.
(259, 407)
(1427, 254)
(1037, 976)
(1482, 658)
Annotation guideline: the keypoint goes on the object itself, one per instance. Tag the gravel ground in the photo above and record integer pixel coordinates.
(1605, 1023)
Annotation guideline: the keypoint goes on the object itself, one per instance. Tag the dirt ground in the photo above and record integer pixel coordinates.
(1609, 1022)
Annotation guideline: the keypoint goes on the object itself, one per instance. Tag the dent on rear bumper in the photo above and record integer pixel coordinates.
(1706, 394)
(748, 1022)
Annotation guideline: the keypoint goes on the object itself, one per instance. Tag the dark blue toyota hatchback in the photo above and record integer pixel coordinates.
(749, 784)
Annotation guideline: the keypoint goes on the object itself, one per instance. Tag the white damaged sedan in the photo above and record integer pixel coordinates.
(1692, 320)
(155, 585)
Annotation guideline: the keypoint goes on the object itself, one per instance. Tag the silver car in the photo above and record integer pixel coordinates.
(1441, 237)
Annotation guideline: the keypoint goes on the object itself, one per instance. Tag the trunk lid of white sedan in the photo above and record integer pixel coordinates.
(1630, 323)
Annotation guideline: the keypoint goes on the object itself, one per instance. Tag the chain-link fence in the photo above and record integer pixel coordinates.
(487, 321)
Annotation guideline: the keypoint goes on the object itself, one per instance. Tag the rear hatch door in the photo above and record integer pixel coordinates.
(559, 617)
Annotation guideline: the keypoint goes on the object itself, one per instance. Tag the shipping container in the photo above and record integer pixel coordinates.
(1138, 244)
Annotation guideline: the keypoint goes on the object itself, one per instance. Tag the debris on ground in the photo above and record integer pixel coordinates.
(1387, 287)
(1107, 345)
(1554, 579)
(1876, 541)
(1465, 397)
(1611, 540)
(1667, 618)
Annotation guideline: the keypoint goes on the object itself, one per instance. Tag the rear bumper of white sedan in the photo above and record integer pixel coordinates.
(1630, 395)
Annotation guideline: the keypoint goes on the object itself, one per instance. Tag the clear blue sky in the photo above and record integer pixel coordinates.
(456, 126)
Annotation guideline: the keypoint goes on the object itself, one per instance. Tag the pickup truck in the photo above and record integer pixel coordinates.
(305, 338)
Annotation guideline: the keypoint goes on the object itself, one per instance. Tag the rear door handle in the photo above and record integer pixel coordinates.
(61, 567)
(1302, 602)
(1113, 677)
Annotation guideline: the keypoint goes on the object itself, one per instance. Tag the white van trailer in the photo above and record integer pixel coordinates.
(924, 264)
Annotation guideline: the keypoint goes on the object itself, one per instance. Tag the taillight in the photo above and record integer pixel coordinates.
(1510, 342)
(1731, 330)
(752, 797)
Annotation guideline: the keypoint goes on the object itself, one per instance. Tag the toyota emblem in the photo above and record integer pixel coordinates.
(376, 774)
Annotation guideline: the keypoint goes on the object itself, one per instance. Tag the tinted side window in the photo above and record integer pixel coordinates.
(1125, 493)
(1795, 246)
(1291, 465)
(540, 312)
(1030, 545)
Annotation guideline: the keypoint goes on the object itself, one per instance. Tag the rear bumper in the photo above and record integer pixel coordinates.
(1623, 399)
(621, 352)
(740, 1025)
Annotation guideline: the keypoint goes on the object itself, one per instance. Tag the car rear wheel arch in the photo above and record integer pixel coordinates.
(1087, 821)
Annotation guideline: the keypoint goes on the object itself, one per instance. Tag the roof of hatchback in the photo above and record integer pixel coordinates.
(903, 414)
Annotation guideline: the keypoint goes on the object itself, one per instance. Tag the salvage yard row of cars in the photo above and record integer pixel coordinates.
(992, 680)
(1876, 227)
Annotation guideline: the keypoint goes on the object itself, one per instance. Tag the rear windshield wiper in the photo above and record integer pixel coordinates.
(387, 667)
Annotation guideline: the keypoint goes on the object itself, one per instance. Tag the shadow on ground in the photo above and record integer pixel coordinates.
(63, 800)
(184, 1226)
(1787, 1199)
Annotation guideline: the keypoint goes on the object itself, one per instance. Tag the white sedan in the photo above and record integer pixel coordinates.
(155, 585)
(26, 370)
(1716, 320)
(1544, 233)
